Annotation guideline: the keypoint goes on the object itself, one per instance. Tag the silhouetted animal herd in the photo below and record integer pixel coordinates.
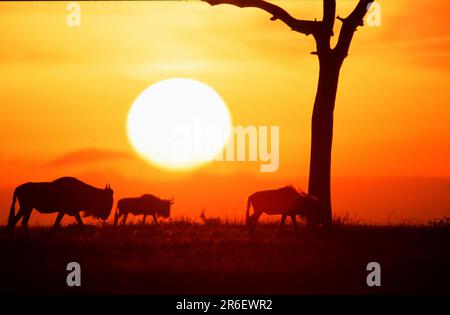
(70, 196)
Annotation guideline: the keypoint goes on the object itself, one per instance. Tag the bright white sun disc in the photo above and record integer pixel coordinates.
(178, 123)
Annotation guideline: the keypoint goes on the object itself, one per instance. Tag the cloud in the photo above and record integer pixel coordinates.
(86, 156)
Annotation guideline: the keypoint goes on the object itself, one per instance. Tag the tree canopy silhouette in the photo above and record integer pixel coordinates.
(330, 62)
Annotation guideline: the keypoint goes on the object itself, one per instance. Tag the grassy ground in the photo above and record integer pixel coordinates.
(187, 258)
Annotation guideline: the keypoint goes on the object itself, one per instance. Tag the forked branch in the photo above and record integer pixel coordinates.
(349, 26)
(302, 26)
(321, 30)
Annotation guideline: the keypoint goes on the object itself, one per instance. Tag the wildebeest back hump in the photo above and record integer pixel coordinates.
(275, 201)
(41, 196)
(73, 193)
(132, 205)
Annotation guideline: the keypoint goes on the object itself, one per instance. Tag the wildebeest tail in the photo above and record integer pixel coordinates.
(12, 210)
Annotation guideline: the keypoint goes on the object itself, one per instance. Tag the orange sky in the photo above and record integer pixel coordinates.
(65, 93)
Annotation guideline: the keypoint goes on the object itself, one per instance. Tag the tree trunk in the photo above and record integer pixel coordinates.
(322, 136)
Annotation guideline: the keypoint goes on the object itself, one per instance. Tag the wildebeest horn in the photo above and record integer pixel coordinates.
(171, 200)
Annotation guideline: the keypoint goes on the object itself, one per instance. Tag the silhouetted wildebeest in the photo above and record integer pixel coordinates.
(285, 201)
(146, 205)
(66, 195)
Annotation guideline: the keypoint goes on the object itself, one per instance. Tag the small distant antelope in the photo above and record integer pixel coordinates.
(209, 221)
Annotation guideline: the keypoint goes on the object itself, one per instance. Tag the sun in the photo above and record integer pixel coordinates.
(178, 124)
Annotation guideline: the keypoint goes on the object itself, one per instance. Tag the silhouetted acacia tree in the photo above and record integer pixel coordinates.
(330, 61)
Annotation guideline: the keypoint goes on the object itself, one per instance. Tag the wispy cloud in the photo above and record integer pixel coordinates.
(86, 156)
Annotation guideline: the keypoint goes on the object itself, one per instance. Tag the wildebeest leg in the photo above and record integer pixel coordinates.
(143, 219)
(25, 219)
(18, 216)
(124, 220)
(252, 220)
(283, 220)
(155, 218)
(116, 216)
(21, 213)
(57, 224)
(294, 223)
(78, 218)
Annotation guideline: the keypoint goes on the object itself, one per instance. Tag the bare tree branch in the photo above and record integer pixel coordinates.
(349, 26)
(329, 14)
(325, 32)
(301, 26)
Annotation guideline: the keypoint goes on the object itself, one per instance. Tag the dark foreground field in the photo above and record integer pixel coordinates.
(186, 258)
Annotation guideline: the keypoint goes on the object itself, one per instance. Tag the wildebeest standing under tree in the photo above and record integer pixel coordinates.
(330, 62)
(146, 205)
(66, 195)
(286, 201)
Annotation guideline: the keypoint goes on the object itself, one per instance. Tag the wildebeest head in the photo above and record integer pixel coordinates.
(107, 203)
(165, 208)
(103, 204)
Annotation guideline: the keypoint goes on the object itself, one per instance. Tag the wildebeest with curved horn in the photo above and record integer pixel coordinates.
(66, 195)
(146, 205)
(286, 201)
